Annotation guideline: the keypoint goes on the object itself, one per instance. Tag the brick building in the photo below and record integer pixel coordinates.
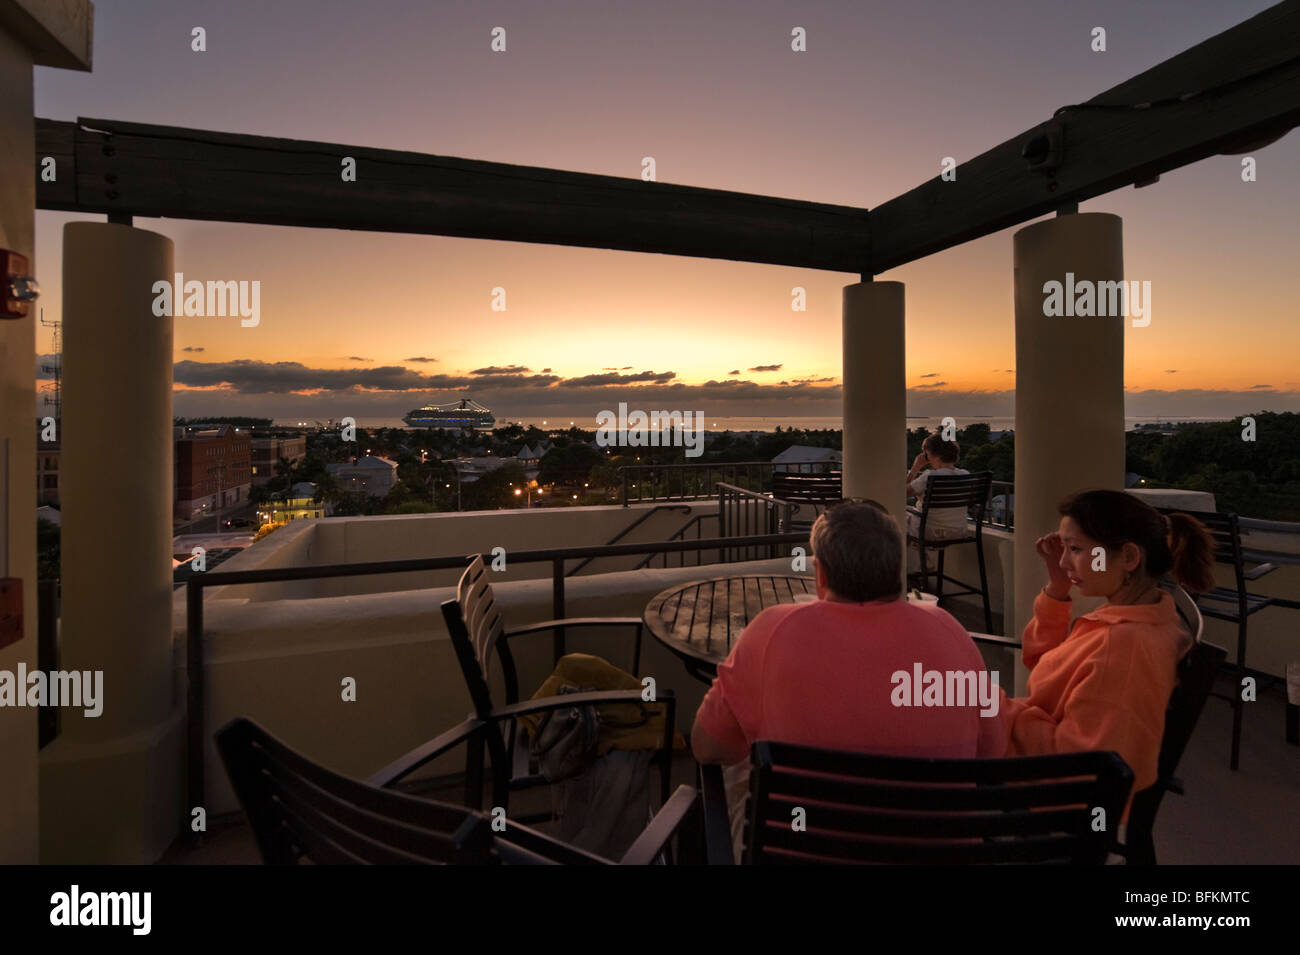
(268, 449)
(213, 469)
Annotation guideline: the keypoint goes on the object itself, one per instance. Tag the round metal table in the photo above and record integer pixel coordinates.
(701, 621)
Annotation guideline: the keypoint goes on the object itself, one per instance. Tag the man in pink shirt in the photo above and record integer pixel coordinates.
(858, 669)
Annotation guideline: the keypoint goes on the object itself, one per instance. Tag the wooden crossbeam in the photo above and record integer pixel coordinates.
(144, 170)
(1237, 90)
(1247, 86)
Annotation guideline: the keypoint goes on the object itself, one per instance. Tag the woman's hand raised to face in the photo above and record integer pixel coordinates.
(1050, 547)
(919, 462)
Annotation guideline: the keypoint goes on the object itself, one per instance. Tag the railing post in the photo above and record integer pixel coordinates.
(194, 697)
(722, 520)
(557, 604)
(623, 472)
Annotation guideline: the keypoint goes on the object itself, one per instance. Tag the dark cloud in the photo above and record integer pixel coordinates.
(192, 348)
(514, 381)
(354, 358)
(1171, 371)
(260, 377)
(293, 390)
(660, 377)
(501, 370)
(421, 358)
(767, 367)
(546, 371)
(734, 371)
(933, 374)
(623, 368)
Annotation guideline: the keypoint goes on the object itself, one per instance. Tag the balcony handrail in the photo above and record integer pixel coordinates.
(194, 661)
(697, 521)
(628, 471)
(776, 514)
(631, 527)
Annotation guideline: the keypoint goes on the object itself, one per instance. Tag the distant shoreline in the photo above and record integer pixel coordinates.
(771, 422)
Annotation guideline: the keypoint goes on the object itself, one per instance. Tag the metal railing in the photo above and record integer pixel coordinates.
(631, 527)
(648, 483)
(681, 534)
(1005, 517)
(194, 662)
(743, 513)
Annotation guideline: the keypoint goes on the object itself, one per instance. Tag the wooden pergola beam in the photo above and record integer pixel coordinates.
(141, 170)
(1237, 90)
(1247, 86)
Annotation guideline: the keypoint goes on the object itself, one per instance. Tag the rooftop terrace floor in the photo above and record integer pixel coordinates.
(1244, 817)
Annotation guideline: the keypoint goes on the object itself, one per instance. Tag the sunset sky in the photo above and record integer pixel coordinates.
(368, 324)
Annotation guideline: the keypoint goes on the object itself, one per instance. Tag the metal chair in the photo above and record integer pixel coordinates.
(507, 748)
(1196, 674)
(970, 493)
(482, 615)
(300, 810)
(861, 808)
(817, 491)
(1233, 604)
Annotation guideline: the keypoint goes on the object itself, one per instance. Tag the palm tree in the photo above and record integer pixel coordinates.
(327, 489)
(284, 468)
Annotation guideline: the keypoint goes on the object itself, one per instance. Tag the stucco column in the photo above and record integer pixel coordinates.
(53, 33)
(18, 451)
(1069, 386)
(110, 784)
(875, 396)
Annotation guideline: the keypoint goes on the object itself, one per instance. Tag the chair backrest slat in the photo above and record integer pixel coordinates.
(860, 808)
(478, 606)
(958, 490)
(783, 845)
(368, 834)
(965, 796)
(1190, 613)
(300, 808)
(815, 488)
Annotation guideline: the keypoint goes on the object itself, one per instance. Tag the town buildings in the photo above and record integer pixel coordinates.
(213, 468)
(372, 474)
(268, 449)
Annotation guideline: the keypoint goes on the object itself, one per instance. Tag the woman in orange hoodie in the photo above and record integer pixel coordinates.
(1103, 682)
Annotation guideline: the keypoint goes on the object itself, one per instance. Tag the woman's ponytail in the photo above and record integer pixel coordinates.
(1192, 547)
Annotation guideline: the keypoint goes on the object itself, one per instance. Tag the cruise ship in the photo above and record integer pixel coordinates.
(467, 413)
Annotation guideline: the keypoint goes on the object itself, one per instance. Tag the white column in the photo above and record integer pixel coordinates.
(18, 805)
(111, 784)
(875, 396)
(1069, 386)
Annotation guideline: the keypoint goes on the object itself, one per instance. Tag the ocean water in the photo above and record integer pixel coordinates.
(772, 422)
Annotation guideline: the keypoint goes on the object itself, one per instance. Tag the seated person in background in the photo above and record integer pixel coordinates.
(1104, 682)
(823, 673)
(941, 457)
